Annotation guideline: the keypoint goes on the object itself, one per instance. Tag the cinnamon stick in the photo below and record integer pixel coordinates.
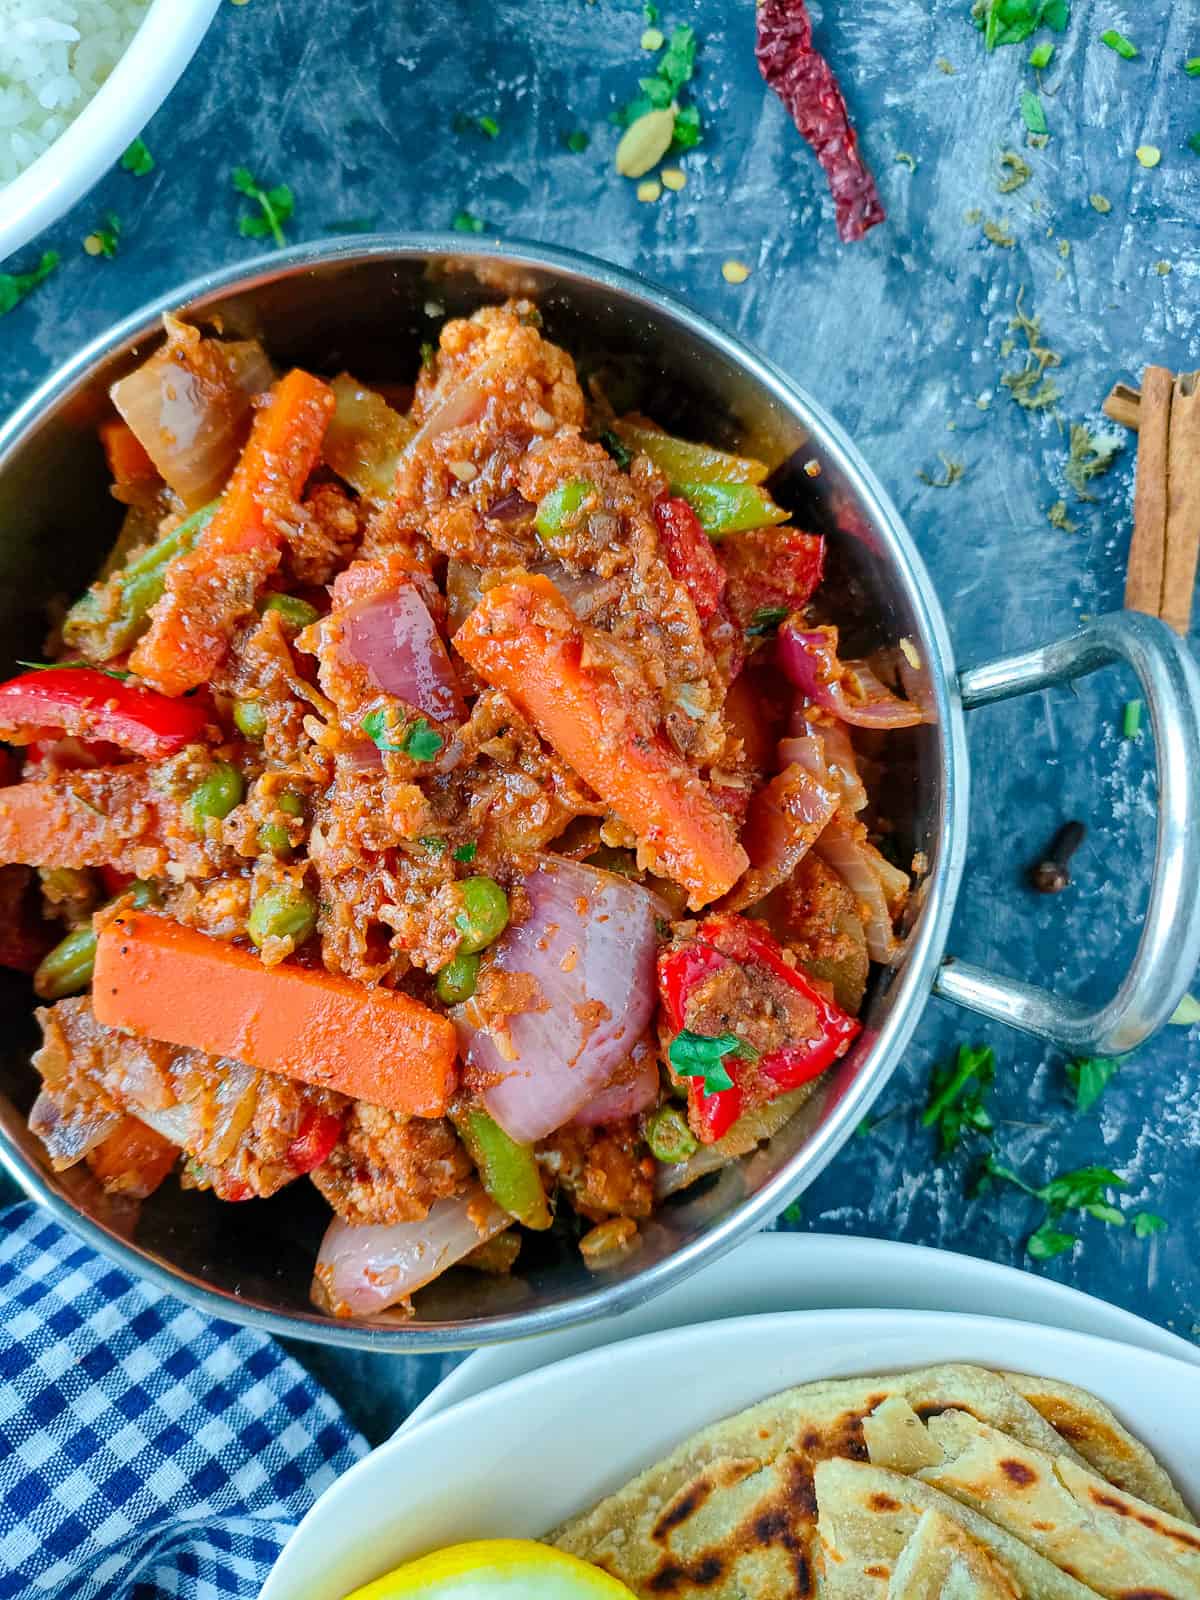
(1183, 503)
(1123, 405)
(1147, 552)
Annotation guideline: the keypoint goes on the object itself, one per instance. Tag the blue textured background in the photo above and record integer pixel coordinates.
(355, 106)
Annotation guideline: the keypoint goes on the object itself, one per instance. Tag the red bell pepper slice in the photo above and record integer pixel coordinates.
(319, 1132)
(723, 940)
(690, 555)
(86, 703)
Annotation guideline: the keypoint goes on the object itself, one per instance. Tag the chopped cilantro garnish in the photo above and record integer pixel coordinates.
(466, 222)
(1086, 1189)
(687, 130)
(1089, 1078)
(956, 1094)
(1090, 455)
(793, 1213)
(433, 844)
(488, 125)
(1146, 1223)
(466, 852)
(1118, 42)
(416, 738)
(276, 206)
(1047, 1241)
(1193, 142)
(1131, 719)
(1192, 67)
(693, 1055)
(1032, 114)
(137, 159)
(650, 12)
(14, 286)
(106, 239)
(674, 68)
(577, 141)
(617, 449)
(1012, 21)
(1041, 55)
(766, 620)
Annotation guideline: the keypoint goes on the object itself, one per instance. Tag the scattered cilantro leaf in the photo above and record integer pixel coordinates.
(466, 852)
(420, 741)
(1012, 21)
(433, 844)
(1041, 55)
(793, 1213)
(465, 222)
(1089, 1078)
(952, 472)
(1193, 142)
(956, 1090)
(865, 1128)
(488, 125)
(650, 13)
(1131, 719)
(14, 286)
(1032, 113)
(1079, 1190)
(693, 1055)
(674, 68)
(275, 206)
(1146, 1223)
(688, 130)
(137, 159)
(766, 620)
(1124, 47)
(577, 141)
(1047, 1241)
(1192, 67)
(617, 449)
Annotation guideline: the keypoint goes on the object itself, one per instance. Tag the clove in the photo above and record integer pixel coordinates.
(1051, 875)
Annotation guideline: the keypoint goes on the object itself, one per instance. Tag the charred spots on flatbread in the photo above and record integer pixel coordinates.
(1111, 1502)
(1144, 1594)
(883, 1502)
(681, 1508)
(1018, 1472)
(877, 1572)
(700, 1574)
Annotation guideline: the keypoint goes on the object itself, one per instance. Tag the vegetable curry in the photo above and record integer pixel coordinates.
(451, 795)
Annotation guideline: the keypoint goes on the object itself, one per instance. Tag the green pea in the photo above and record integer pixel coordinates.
(250, 718)
(274, 836)
(484, 915)
(559, 506)
(67, 969)
(456, 981)
(296, 613)
(282, 912)
(217, 795)
(668, 1135)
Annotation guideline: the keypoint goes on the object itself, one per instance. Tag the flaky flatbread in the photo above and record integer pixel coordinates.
(731, 1513)
(868, 1516)
(1090, 1428)
(942, 1562)
(1117, 1544)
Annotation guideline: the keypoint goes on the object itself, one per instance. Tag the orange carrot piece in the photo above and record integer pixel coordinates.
(210, 589)
(523, 638)
(128, 462)
(166, 981)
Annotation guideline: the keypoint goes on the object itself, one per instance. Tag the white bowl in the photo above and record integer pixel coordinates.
(523, 1457)
(108, 124)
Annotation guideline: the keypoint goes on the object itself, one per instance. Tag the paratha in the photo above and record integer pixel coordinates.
(942, 1562)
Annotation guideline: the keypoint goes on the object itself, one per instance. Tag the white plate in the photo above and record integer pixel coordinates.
(811, 1271)
(519, 1459)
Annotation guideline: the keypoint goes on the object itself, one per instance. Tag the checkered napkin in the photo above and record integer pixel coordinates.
(145, 1450)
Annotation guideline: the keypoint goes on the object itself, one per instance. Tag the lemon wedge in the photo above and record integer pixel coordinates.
(488, 1568)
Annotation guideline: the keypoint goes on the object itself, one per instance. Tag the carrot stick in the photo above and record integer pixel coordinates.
(165, 981)
(208, 590)
(128, 462)
(523, 638)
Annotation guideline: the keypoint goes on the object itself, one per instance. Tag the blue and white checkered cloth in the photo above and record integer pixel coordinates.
(145, 1450)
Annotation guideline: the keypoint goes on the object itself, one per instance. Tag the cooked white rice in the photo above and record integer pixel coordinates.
(54, 55)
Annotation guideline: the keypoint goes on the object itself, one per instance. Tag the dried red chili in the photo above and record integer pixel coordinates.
(805, 82)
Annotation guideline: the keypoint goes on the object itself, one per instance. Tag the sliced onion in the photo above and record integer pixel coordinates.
(363, 1270)
(69, 1135)
(394, 638)
(785, 818)
(847, 688)
(189, 406)
(873, 880)
(623, 1098)
(364, 438)
(825, 750)
(464, 405)
(511, 507)
(589, 945)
